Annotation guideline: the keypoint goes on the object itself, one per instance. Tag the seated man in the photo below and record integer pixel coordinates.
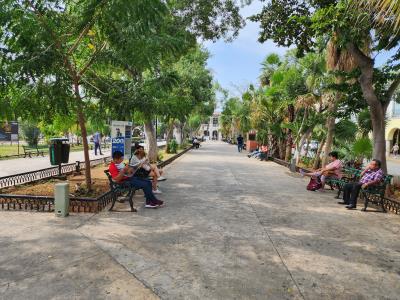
(332, 170)
(125, 174)
(372, 175)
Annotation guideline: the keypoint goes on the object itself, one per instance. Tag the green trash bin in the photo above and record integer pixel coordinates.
(59, 151)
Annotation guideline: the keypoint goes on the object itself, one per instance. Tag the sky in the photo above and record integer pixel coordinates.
(237, 64)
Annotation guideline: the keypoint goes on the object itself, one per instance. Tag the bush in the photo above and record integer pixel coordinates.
(160, 155)
(172, 147)
(30, 132)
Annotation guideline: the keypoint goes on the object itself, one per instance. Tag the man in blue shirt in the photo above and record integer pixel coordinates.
(97, 142)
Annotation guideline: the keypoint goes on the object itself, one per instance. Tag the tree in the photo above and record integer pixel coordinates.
(299, 23)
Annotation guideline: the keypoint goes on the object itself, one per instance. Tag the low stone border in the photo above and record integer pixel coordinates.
(77, 204)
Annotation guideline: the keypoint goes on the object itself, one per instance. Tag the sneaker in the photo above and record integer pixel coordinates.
(161, 178)
(321, 190)
(157, 191)
(151, 205)
(160, 203)
(302, 172)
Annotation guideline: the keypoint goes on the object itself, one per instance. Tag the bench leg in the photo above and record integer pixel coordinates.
(365, 201)
(130, 199)
(338, 193)
(113, 202)
(383, 205)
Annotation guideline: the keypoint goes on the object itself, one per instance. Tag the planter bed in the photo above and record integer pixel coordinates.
(37, 195)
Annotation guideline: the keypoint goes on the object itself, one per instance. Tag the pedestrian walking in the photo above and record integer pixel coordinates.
(97, 142)
(240, 143)
(395, 150)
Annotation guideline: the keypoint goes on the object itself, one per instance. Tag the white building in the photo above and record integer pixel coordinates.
(212, 129)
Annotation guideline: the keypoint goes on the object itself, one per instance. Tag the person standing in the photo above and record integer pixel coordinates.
(97, 142)
(240, 143)
(395, 150)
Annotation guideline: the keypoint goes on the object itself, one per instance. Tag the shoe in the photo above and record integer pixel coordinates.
(161, 178)
(343, 203)
(302, 172)
(151, 205)
(321, 190)
(157, 191)
(160, 203)
(350, 207)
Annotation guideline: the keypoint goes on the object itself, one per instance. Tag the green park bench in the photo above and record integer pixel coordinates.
(373, 194)
(348, 175)
(376, 193)
(29, 150)
(119, 189)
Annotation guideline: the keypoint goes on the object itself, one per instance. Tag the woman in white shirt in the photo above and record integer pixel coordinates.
(145, 169)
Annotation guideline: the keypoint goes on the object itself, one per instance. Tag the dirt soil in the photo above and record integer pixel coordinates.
(76, 187)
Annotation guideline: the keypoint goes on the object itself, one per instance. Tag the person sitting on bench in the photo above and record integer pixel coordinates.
(372, 175)
(146, 169)
(332, 170)
(122, 173)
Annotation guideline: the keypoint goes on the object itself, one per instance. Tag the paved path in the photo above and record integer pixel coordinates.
(233, 228)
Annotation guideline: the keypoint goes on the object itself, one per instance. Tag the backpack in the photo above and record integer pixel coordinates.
(314, 184)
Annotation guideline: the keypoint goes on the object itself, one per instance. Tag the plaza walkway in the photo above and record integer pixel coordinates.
(232, 228)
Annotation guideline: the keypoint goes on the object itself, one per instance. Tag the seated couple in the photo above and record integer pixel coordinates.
(261, 153)
(146, 169)
(332, 170)
(125, 174)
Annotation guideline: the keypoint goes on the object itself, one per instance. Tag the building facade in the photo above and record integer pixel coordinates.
(392, 132)
(211, 130)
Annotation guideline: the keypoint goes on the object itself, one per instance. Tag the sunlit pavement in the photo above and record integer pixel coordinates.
(232, 228)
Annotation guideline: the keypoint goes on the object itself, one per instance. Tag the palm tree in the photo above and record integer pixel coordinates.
(384, 11)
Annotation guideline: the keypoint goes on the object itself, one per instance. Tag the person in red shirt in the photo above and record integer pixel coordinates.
(122, 173)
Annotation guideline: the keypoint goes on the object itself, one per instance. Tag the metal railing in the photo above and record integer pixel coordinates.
(32, 176)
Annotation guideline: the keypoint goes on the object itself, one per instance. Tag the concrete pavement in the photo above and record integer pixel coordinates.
(232, 228)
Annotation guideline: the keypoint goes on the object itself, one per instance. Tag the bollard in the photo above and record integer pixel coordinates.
(61, 199)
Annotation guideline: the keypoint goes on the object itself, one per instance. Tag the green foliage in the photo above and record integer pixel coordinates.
(172, 147)
(362, 148)
(30, 132)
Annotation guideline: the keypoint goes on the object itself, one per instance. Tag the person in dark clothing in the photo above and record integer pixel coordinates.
(372, 175)
(240, 143)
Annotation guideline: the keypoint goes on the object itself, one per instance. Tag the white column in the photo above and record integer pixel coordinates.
(388, 148)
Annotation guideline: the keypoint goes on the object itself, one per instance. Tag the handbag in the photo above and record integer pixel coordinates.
(314, 184)
(142, 173)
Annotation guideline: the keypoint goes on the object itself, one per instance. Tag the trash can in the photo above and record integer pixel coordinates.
(59, 151)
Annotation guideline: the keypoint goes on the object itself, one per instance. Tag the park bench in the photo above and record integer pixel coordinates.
(119, 189)
(376, 193)
(348, 175)
(28, 151)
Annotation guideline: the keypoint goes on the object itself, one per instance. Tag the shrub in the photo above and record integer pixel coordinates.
(172, 147)
(30, 132)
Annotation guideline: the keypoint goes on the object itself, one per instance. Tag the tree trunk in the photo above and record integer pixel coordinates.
(289, 141)
(378, 134)
(300, 145)
(82, 124)
(377, 107)
(169, 135)
(317, 156)
(151, 140)
(330, 125)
